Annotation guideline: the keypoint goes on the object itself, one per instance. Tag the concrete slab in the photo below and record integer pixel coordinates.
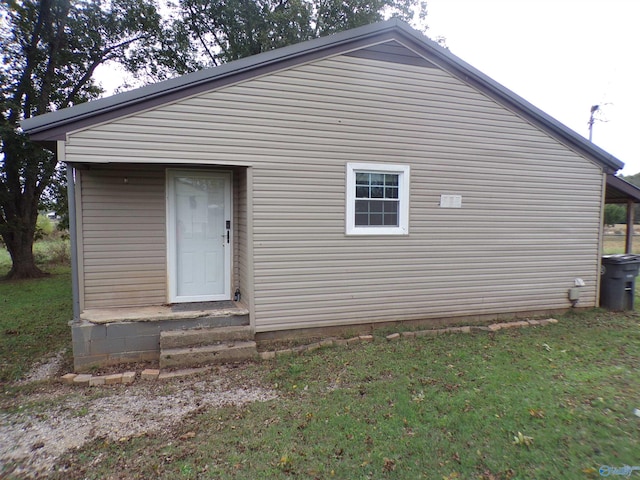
(154, 313)
(210, 354)
(198, 337)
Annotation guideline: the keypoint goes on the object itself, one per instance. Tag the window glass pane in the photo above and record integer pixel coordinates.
(362, 206)
(377, 192)
(362, 192)
(377, 179)
(375, 207)
(391, 180)
(362, 178)
(375, 219)
(362, 219)
(390, 207)
(391, 192)
(390, 219)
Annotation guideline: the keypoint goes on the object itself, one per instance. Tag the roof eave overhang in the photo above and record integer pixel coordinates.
(55, 125)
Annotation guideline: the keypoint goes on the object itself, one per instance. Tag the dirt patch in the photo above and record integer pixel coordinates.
(47, 369)
(41, 426)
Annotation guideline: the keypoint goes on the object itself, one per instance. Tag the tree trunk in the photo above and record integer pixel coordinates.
(28, 169)
(19, 209)
(23, 262)
(20, 246)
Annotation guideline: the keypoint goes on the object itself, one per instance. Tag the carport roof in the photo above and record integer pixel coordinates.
(621, 191)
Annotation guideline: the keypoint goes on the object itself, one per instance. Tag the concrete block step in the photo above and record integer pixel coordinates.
(209, 354)
(198, 337)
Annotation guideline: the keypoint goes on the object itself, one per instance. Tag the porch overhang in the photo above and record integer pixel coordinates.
(619, 192)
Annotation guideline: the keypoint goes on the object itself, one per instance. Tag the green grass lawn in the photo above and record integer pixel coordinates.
(616, 244)
(444, 407)
(34, 314)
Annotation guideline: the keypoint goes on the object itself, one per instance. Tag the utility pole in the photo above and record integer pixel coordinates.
(594, 109)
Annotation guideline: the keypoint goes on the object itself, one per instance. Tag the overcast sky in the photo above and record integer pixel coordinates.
(563, 56)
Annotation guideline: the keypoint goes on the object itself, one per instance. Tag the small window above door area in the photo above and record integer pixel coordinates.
(377, 199)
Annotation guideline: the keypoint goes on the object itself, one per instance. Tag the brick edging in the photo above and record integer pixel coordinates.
(269, 355)
(156, 374)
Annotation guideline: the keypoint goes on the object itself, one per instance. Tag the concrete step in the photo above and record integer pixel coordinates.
(229, 352)
(198, 337)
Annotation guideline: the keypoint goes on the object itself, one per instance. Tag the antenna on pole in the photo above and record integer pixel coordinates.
(594, 109)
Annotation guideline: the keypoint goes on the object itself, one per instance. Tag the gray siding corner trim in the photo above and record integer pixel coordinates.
(79, 238)
(247, 276)
(73, 235)
(601, 236)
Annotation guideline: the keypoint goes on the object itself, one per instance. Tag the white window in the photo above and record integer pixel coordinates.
(377, 199)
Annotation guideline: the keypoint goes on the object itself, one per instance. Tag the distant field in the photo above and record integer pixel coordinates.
(616, 244)
(49, 253)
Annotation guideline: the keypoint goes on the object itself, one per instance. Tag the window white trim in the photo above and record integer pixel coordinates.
(403, 195)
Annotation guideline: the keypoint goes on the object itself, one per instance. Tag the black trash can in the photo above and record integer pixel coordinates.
(618, 281)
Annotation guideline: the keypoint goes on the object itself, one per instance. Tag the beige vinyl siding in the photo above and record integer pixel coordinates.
(529, 220)
(123, 236)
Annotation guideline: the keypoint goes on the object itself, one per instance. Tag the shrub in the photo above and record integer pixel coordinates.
(44, 227)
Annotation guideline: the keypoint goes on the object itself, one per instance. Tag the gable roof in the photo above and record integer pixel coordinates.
(392, 40)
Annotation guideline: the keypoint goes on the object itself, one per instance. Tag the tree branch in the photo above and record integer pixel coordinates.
(103, 57)
(55, 44)
(194, 25)
(31, 51)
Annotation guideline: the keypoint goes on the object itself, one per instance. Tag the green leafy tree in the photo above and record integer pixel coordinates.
(50, 51)
(635, 180)
(614, 214)
(221, 31)
(52, 48)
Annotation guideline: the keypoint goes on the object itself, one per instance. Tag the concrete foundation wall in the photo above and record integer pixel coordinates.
(129, 342)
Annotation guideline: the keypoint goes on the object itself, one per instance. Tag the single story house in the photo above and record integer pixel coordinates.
(365, 177)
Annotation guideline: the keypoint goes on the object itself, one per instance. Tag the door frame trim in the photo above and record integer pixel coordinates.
(172, 286)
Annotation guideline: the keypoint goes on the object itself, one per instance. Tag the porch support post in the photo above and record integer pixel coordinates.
(629, 239)
(71, 199)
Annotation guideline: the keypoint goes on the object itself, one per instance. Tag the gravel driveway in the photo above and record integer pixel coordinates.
(37, 428)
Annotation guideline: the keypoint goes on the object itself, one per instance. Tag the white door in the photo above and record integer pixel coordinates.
(199, 235)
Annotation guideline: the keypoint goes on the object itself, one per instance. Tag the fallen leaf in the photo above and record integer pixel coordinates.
(521, 439)
(187, 435)
(389, 465)
(536, 413)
